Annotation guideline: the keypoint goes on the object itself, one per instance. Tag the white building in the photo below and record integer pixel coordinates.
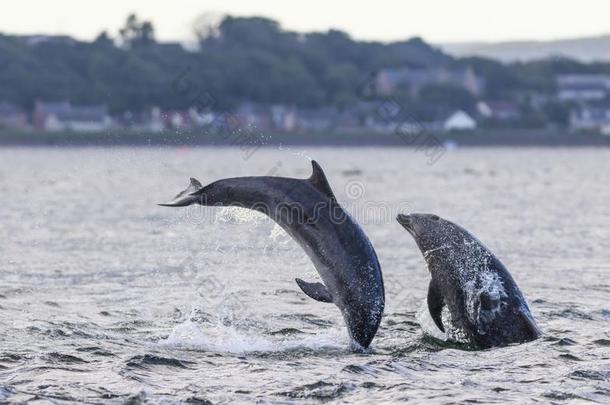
(459, 121)
(66, 117)
(583, 87)
(498, 110)
(591, 119)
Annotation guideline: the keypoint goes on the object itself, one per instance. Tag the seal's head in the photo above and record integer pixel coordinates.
(431, 231)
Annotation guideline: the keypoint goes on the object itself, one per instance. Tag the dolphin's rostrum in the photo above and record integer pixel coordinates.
(309, 212)
(485, 305)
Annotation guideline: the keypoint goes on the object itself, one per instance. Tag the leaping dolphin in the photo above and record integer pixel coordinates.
(485, 304)
(309, 212)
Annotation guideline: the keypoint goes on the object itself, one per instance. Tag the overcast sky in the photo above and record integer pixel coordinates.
(434, 20)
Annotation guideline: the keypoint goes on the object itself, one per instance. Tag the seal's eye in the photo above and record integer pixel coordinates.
(434, 217)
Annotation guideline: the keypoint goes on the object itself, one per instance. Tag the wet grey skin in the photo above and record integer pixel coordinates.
(309, 212)
(485, 305)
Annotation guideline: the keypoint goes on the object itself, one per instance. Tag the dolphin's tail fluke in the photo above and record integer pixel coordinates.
(186, 197)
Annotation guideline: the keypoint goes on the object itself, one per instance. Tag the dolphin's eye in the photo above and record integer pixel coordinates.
(434, 217)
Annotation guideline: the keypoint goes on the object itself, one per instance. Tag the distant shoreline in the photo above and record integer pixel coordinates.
(514, 138)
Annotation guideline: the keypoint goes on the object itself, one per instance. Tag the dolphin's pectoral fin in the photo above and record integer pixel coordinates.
(317, 291)
(318, 180)
(435, 304)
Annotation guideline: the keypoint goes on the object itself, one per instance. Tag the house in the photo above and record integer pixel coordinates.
(583, 87)
(185, 120)
(498, 110)
(284, 118)
(12, 116)
(146, 121)
(591, 119)
(63, 116)
(347, 121)
(263, 118)
(459, 121)
(253, 115)
(389, 81)
(315, 120)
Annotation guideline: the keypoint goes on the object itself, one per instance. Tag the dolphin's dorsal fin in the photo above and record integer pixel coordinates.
(435, 304)
(317, 291)
(318, 180)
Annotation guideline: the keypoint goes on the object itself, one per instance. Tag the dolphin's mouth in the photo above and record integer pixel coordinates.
(407, 223)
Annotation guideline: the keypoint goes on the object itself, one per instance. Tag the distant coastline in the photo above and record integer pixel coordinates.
(478, 138)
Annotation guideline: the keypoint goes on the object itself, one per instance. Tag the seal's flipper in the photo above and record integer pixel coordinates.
(317, 291)
(435, 304)
(186, 197)
(318, 180)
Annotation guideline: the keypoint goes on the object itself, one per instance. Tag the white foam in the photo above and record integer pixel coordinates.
(490, 284)
(477, 278)
(278, 234)
(239, 215)
(220, 338)
(4, 394)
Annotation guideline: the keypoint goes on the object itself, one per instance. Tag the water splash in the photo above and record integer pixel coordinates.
(478, 281)
(222, 338)
(278, 234)
(490, 285)
(294, 152)
(239, 215)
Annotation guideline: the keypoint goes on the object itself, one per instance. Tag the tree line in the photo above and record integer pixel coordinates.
(244, 59)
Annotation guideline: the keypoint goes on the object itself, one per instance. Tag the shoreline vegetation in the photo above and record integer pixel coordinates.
(254, 140)
(253, 70)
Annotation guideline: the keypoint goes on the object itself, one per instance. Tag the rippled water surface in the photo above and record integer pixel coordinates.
(106, 297)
